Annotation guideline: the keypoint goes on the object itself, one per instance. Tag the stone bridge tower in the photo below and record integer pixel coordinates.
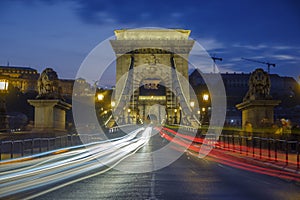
(148, 62)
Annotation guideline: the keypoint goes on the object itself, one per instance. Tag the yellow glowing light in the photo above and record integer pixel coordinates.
(205, 97)
(113, 104)
(100, 97)
(203, 109)
(3, 85)
(192, 103)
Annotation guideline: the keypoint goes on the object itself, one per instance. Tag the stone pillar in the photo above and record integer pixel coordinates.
(257, 106)
(255, 111)
(49, 114)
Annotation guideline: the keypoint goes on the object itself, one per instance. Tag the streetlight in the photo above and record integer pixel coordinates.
(100, 97)
(3, 117)
(192, 104)
(205, 97)
(199, 115)
(128, 116)
(113, 104)
(175, 116)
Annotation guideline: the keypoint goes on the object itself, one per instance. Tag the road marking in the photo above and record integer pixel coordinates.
(152, 184)
(152, 190)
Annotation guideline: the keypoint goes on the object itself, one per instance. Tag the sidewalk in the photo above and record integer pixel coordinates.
(264, 161)
(271, 159)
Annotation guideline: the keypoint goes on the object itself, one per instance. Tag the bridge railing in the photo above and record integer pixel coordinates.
(18, 148)
(269, 149)
(186, 128)
(125, 128)
(287, 151)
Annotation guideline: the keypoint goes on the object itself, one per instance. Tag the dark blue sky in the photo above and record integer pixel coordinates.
(59, 34)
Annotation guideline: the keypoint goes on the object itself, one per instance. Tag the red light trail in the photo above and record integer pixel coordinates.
(219, 155)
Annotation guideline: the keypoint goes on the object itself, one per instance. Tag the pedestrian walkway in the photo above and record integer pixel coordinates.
(282, 162)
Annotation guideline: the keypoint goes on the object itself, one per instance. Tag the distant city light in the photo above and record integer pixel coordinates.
(3, 85)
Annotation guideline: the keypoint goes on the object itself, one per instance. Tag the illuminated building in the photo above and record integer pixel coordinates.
(23, 78)
(285, 89)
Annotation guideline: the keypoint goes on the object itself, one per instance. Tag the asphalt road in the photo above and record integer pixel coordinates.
(186, 178)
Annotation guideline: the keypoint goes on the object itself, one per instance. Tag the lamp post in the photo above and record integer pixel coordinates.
(128, 116)
(199, 115)
(175, 116)
(99, 99)
(3, 116)
(192, 104)
(180, 115)
(99, 105)
(205, 98)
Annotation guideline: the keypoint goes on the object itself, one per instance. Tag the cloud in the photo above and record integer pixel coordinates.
(82, 23)
(265, 46)
(210, 44)
(251, 47)
(239, 59)
(138, 13)
(285, 47)
(285, 57)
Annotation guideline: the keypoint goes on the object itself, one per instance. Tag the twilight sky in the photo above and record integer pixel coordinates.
(60, 34)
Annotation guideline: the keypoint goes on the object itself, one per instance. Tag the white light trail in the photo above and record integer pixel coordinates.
(18, 179)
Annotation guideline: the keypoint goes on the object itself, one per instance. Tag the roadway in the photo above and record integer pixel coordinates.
(28, 176)
(187, 178)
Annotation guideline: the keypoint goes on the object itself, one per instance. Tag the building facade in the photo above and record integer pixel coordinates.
(285, 89)
(23, 78)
